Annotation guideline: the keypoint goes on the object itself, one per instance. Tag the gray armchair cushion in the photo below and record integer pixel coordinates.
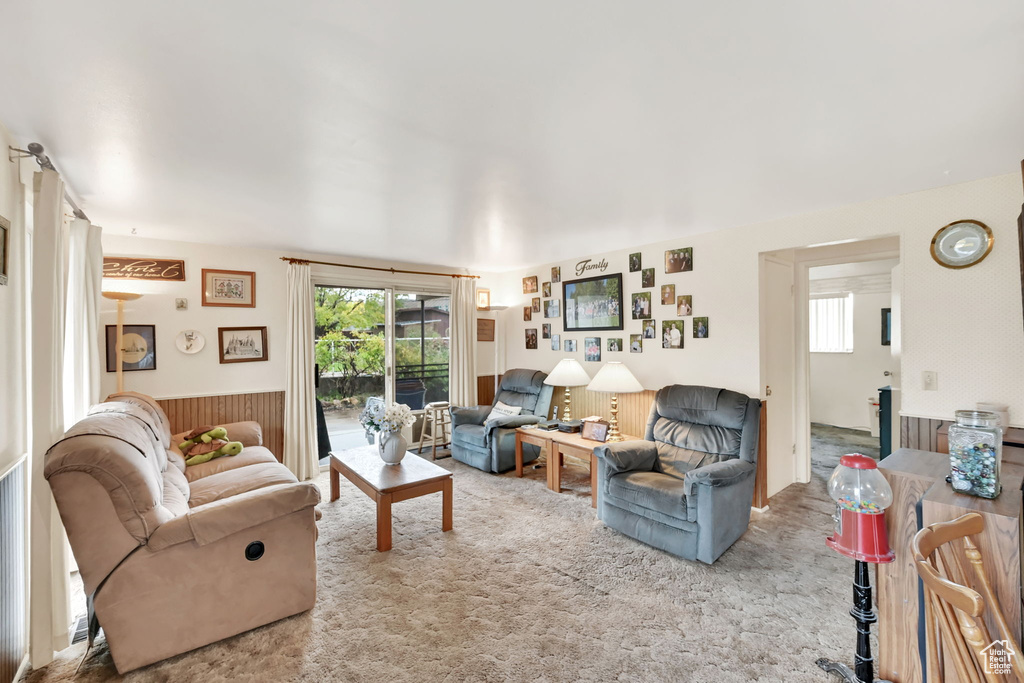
(469, 416)
(628, 456)
(470, 434)
(651, 490)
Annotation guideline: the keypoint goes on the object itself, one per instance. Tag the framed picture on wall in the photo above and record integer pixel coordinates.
(242, 344)
(5, 248)
(679, 260)
(236, 288)
(556, 274)
(485, 329)
(531, 338)
(593, 303)
(530, 284)
(139, 348)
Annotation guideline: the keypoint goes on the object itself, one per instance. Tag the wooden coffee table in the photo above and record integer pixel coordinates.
(387, 484)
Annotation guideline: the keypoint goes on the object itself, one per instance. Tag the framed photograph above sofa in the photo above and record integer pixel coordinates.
(593, 303)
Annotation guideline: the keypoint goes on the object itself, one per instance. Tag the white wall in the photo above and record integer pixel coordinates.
(13, 411)
(178, 374)
(964, 324)
(841, 383)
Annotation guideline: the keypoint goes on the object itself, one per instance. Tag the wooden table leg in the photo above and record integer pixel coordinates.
(555, 468)
(519, 454)
(446, 505)
(593, 480)
(335, 482)
(383, 522)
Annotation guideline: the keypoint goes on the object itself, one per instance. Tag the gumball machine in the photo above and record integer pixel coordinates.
(861, 494)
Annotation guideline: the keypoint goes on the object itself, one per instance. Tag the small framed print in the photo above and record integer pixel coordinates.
(536, 304)
(242, 344)
(636, 343)
(527, 313)
(483, 299)
(236, 288)
(647, 278)
(5, 248)
(545, 289)
(139, 348)
(700, 328)
(595, 430)
(531, 338)
(668, 295)
(545, 331)
(556, 274)
(530, 285)
(679, 260)
(485, 329)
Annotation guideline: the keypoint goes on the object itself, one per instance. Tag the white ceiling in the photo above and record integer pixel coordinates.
(501, 134)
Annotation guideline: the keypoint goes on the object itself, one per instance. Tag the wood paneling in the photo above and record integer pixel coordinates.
(920, 433)
(921, 497)
(266, 407)
(485, 389)
(13, 548)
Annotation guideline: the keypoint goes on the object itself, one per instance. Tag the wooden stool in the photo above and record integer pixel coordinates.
(438, 421)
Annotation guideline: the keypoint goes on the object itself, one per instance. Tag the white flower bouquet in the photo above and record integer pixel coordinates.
(377, 417)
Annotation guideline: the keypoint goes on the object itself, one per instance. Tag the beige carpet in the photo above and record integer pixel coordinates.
(531, 587)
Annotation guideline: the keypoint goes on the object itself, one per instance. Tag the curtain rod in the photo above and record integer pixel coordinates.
(36, 150)
(386, 270)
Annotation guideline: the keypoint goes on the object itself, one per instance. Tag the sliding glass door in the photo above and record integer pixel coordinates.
(422, 340)
(378, 342)
(352, 357)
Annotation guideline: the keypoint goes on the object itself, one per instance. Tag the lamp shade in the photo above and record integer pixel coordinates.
(568, 373)
(615, 378)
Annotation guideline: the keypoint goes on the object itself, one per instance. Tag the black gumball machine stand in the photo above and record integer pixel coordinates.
(861, 494)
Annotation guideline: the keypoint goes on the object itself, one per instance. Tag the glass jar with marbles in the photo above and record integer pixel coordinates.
(975, 453)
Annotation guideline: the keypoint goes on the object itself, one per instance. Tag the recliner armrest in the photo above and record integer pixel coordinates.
(511, 421)
(718, 474)
(468, 416)
(628, 456)
(220, 518)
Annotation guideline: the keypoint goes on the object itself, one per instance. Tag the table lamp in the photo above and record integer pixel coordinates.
(568, 373)
(120, 298)
(615, 378)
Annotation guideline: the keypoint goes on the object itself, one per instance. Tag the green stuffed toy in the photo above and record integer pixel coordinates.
(203, 444)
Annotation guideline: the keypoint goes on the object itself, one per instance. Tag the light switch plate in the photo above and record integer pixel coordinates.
(930, 380)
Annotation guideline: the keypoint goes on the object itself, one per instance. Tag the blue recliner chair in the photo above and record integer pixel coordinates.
(490, 445)
(687, 488)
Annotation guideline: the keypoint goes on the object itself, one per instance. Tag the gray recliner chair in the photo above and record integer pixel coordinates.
(490, 445)
(687, 488)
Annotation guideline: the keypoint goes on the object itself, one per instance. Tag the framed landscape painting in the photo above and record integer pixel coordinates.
(593, 303)
(236, 288)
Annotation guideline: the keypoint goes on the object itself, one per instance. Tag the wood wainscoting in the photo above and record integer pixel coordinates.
(633, 412)
(919, 433)
(265, 407)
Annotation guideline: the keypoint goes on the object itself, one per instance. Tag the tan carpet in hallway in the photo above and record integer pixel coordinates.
(531, 587)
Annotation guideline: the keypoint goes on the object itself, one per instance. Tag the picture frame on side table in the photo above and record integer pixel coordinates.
(231, 288)
(139, 348)
(242, 344)
(595, 430)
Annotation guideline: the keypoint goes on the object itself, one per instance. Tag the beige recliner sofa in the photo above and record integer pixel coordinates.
(174, 558)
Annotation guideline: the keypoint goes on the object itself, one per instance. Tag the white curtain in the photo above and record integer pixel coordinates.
(81, 332)
(300, 448)
(50, 593)
(462, 387)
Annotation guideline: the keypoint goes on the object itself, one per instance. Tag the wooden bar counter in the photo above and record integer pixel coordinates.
(921, 497)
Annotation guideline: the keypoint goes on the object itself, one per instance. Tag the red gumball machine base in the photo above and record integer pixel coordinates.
(861, 536)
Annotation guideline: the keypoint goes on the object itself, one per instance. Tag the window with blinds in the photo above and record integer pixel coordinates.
(831, 324)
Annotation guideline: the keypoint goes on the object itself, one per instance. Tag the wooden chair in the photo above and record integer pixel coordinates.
(957, 638)
(437, 428)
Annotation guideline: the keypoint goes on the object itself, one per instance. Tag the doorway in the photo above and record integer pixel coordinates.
(820, 289)
(850, 362)
(377, 343)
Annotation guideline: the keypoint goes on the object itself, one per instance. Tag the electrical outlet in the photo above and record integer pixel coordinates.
(930, 380)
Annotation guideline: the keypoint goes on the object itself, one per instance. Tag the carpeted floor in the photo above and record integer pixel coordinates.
(530, 586)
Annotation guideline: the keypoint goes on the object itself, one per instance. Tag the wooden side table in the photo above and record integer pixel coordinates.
(558, 445)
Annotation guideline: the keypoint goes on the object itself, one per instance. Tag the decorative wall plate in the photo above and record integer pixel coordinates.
(961, 244)
(190, 341)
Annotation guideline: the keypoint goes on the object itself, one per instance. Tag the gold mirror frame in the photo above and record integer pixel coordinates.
(988, 248)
